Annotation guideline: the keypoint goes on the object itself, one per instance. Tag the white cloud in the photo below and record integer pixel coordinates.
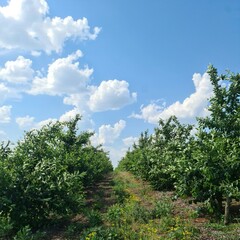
(118, 151)
(79, 101)
(36, 53)
(111, 95)
(85, 123)
(25, 25)
(15, 78)
(26, 122)
(64, 77)
(69, 115)
(150, 113)
(107, 134)
(7, 92)
(40, 124)
(4, 92)
(18, 71)
(115, 154)
(129, 141)
(5, 114)
(193, 106)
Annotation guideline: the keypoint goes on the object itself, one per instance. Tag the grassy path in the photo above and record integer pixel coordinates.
(174, 219)
(122, 207)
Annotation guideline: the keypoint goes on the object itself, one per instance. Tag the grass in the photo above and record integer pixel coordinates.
(126, 208)
(144, 215)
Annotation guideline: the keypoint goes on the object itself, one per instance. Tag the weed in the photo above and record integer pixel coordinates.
(114, 214)
(73, 229)
(145, 190)
(193, 214)
(166, 223)
(94, 218)
(162, 208)
(120, 193)
(24, 233)
(5, 225)
(140, 213)
(100, 233)
(98, 203)
(182, 230)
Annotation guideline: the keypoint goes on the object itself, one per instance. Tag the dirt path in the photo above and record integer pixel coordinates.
(100, 196)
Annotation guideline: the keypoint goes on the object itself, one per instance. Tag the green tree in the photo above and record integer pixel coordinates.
(154, 158)
(137, 160)
(211, 171)
(43, 185)
(44, 176)
(168, 143)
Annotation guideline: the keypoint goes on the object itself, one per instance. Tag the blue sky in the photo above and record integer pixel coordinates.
(121, 64)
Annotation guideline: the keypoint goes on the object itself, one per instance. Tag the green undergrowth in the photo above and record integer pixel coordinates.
(139, 213)
(128, 209)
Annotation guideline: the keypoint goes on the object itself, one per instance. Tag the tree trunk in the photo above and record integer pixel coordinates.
(227, 210)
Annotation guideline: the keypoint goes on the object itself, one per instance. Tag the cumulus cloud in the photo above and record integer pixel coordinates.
(5, 114)
(7, 92)
(15, 78)
(150, 113)
(26, 122)
(79, 101)
(4, 92)
(111, 95)
(18, 71)
(116, 153)
(86, 121)
(107, 134)
(26, 26)
(193, 106)
(40, 124)
(129, 141)
(69, 115)
(64, 77)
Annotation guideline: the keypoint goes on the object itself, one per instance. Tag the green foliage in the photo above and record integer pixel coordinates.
(101, 233)
(211, 166)
(137, 160)
(169, 141)
(120, 193)
(182, 230)
(24, 233)
(114, 214)
(44, 176)
(154, 158)
(6, 226)
(162, 208)
(139, 213)
(73, 229)
(206, 165)
(94, 218)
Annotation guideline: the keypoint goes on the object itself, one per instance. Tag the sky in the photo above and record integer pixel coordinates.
(122, 65)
